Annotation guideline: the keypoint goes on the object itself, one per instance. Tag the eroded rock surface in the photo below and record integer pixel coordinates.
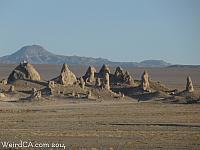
(24, 71)
(66, 77)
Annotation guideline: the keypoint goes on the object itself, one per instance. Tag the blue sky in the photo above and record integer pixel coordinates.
(120, 30)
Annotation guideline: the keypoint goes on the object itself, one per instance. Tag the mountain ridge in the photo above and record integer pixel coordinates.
(36, 54)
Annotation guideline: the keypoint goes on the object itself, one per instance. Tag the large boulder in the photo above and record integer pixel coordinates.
(24, 71)
(66, 77)
(189, 85)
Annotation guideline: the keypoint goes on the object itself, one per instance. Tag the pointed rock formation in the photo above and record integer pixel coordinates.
(189, 85)
(106, 82)
(24, 71)
(104, 69)
(90, 74)
(121, 77)
(128, 79)
(66, 77)
(145, 81)
(119, 74)
(82, 83)
(98, 82)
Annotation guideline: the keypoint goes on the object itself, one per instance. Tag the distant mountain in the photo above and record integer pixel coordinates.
(154, 63)
(36, 54)
(184, 66)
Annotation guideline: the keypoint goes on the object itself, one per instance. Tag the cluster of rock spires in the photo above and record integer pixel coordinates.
(123, 77)
(103, 79)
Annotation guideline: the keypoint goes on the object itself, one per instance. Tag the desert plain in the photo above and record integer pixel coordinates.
(110, 124)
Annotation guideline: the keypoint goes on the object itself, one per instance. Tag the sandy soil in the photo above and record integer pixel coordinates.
(109, 124)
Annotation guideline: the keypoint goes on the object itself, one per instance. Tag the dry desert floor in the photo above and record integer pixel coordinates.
(108, 124)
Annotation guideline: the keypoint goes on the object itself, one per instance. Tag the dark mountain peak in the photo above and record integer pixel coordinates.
(32, 50)
(36, 54)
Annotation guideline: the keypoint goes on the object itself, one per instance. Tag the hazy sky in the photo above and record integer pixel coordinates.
(120, 30)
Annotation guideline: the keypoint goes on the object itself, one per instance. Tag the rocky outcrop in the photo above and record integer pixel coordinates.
(122, 77)
(11, 89)
(98, 82)
(90, 74)
(119, 74)
(104, 69)
(35, 94)
(66, 77)
(145, 81)
(189, 85)
(48, 91)
(89, 95)
(51, 84)
(106, 81)
(82, 83)
(24, 71)
(128, 78)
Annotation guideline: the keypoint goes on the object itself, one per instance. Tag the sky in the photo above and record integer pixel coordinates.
(119, 30)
